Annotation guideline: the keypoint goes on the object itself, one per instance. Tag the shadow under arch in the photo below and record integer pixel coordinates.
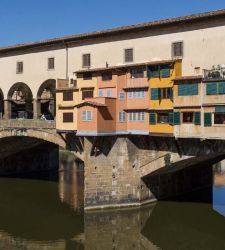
(46, 100)
(20, 99)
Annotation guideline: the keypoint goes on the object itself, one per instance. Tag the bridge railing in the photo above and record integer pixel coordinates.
(27, 123)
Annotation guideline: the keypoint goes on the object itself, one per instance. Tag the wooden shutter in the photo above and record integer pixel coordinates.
(171, 118)
(128, 55)
(87, 60)
(176, 118)
(197, 118)
(152, 118)
(154, 94)
(221, 88)
(193, 89)
(177, 49)
(207, 119)
(220, 109)
(211, 88)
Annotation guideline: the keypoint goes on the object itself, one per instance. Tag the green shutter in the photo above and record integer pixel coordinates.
(171, 118)
(197, 118)
(207, 119)
(221, 88)
(154, 94)
(193, 89)
(220, 109)
(176, 118)
(152, 118)
(211, 88)
(165, 71)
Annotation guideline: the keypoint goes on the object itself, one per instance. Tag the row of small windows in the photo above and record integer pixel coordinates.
(176, 48)
(20, 66)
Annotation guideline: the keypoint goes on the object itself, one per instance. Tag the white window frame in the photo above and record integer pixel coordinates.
(137, 116)
(121, 95)
(122, 116)
(100, 93)
(108, 93)
(86, 115)
(136, 94)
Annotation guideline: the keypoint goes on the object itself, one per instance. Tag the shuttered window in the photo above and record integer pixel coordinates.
(165, 71)
(215, 88)
(154, 94)
(19, 67)
(220, 109)
(207, 119)
(177, 49)
(128, 55)
(68, 117)
(197, 118)
(152, 118)
(176, 118)
(86, 60)
(51, 63)
(171, 118)
(189, 89)
(153, 71)
(68, 96)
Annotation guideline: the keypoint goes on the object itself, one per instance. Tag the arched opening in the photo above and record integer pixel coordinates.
(1, 104)
(46, 100)
(20, 100)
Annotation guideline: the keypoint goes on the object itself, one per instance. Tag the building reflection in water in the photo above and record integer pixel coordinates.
(71, 184)
(219, 188)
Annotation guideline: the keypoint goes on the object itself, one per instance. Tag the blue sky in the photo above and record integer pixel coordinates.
(32, 20)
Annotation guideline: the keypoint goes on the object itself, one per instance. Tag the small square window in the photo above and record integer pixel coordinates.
(106, 76)
(177, 49)
(87, 76)
(188, 117)
(68, 117)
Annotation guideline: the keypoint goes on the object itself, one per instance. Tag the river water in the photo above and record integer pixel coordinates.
(47, 214)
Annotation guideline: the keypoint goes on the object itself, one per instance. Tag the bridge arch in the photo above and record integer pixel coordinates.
(20, 101)
(46, 99)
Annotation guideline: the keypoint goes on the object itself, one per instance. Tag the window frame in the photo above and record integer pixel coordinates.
(173, 49)
(190, 112)
(83, 91)
(85, 116)
(17, 67)
(123, 116)
(83, 56)
(124, 58)
(69, 97)
(124, 96)
(105, 76)
(66, 120)
(49, 59)
(136, 116)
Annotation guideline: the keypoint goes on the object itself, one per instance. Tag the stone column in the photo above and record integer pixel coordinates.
(36, 109)
(7, 109)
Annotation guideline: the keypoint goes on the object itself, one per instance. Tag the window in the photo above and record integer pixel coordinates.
(177, 49)
(100, 93)
(188, 89)
(86, 63)
(51, 63)
(87, 94)
(86, 115)
(128, 55)
(157, 71)
(219, 118)
(122, 116)
(68, 96)
(87, 76)
(106, 76)
(137, 73)
(19, 67)
(108, 93)
(121, 96)
(136, 116)
(153, 71)
(215, 88)
(161, 93)
(188, 117)
(68, 117)
(163, 118)
(137, 94)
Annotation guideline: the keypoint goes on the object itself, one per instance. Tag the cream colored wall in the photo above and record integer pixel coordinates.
(202, 48)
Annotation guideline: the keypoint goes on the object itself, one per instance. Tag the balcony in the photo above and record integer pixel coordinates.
(141, 82)
(215, 74)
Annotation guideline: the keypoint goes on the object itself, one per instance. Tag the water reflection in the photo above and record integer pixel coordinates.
(47, 214)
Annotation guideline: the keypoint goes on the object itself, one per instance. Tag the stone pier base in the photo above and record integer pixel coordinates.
(112, 173)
